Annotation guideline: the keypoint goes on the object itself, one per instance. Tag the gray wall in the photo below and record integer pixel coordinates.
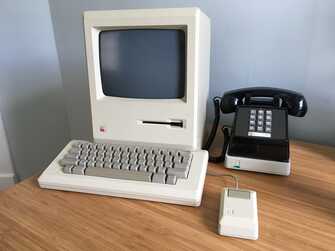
(6, 167)
(288, 44)
(31, 97)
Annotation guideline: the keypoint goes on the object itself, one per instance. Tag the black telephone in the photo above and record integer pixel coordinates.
(259, 132)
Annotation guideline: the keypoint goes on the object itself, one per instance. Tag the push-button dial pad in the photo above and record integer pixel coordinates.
(260, 123)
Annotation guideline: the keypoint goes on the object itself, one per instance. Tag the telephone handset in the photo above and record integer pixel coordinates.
(259, 131)
(294, 102)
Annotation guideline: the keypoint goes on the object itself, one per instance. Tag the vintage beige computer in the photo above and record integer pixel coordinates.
(148, 77)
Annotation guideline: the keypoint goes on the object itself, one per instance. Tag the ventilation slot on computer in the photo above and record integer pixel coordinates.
(174, 123)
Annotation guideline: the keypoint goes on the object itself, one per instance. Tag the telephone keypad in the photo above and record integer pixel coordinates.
(260, 123)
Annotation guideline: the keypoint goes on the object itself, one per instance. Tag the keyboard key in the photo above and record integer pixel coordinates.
(161, 170)
(91, 163)
(134, 167)
(260, 128)
(131, 149)
(142, 168)
(117, 154)
(152, 169)
(71, 156)
(168, 158)
(180, 165)
(171, 179)
(66, 162)
(100, 158)
(186, 159)
(75, 150)
(151, 156)
(186, 154)
(86, 145)
(177, 159)
(179, 172)
(116, 159)
(133, 155)
(80, 170)
(100, 146)
(159, 163)
(108, 159)
(160, 158)
(94, 152)
(119, 174)
(253, 111)
(67, 169)
(124, 161)
(164, 152)
(251, 128)
(158, 178)
(82, 163)
(168, 164)
(125, 155)
(125, 166)
(133, 161)
(91, 157)
(150, 163)
(116, 165)
(109, 148)
(77, 144)
(108, 165)
(99, 164)
(141, 162)
(94, 146)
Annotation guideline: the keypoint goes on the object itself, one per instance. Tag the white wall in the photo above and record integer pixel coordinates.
(287, 44)
(31, 98)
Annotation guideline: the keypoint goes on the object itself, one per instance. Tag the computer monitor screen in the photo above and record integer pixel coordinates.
(143, 63)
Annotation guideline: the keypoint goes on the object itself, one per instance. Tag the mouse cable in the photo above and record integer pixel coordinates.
(227, 175)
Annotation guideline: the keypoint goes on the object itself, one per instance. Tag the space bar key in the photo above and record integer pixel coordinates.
(118, 174)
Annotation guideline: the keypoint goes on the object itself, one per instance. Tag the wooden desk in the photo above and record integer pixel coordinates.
(295, 213)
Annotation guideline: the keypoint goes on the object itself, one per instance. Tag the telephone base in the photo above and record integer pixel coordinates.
(257, 165)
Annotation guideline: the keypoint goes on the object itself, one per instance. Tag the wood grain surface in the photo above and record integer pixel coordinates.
(295, 213)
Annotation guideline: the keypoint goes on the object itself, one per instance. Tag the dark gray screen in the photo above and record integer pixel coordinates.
(143, 63)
